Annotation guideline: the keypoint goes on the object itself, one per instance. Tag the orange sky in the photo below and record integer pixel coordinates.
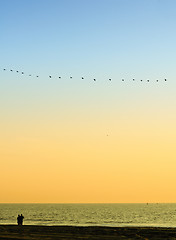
(120, 153)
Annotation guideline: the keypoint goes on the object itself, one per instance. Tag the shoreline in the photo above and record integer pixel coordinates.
(29, 232)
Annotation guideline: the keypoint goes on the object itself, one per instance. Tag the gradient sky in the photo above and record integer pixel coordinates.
(79, 141)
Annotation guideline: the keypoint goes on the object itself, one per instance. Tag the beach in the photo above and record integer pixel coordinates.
(28, 232)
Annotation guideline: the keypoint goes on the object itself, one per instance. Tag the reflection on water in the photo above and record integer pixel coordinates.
(163, 215)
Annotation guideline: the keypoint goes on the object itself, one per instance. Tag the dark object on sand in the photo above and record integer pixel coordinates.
(20, 219)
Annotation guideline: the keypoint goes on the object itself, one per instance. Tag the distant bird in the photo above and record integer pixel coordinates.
(11, 70)
(82, 78)
(59, 77)
(122, 79)
(4, 69)
(165, 79)
(147, 80)
(22, 72)
(29, 75)
(17, 71)
(157, 80)
(94, 79)
(133, 79)
(37, 76)
(141, 80)
(49, 76)
(109, 79)
(70, 77)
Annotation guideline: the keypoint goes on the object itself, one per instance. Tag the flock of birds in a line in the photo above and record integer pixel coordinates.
(94, 79)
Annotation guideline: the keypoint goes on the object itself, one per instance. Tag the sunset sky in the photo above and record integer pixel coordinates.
(79, 140)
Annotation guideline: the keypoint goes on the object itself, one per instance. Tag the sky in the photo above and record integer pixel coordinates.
(74, 140)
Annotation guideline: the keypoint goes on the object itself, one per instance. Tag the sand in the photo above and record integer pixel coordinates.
(14, 232)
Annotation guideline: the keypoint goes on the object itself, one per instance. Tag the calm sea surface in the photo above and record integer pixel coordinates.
(162, 215)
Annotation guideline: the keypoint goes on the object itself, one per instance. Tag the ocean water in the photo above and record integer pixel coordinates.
(114, 215)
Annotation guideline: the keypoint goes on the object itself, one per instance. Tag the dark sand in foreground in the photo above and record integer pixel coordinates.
(71, 233)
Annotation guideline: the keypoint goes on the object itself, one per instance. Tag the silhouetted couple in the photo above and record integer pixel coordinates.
(20, 219)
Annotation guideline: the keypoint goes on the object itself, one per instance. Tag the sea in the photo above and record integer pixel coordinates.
(112, 215)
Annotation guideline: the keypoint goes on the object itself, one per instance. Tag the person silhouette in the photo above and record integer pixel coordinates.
(20, 219)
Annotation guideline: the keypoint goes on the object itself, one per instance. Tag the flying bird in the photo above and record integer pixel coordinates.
(94, 79)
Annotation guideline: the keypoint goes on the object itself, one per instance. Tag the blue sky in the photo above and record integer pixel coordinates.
(95, 39)
(100, 38)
